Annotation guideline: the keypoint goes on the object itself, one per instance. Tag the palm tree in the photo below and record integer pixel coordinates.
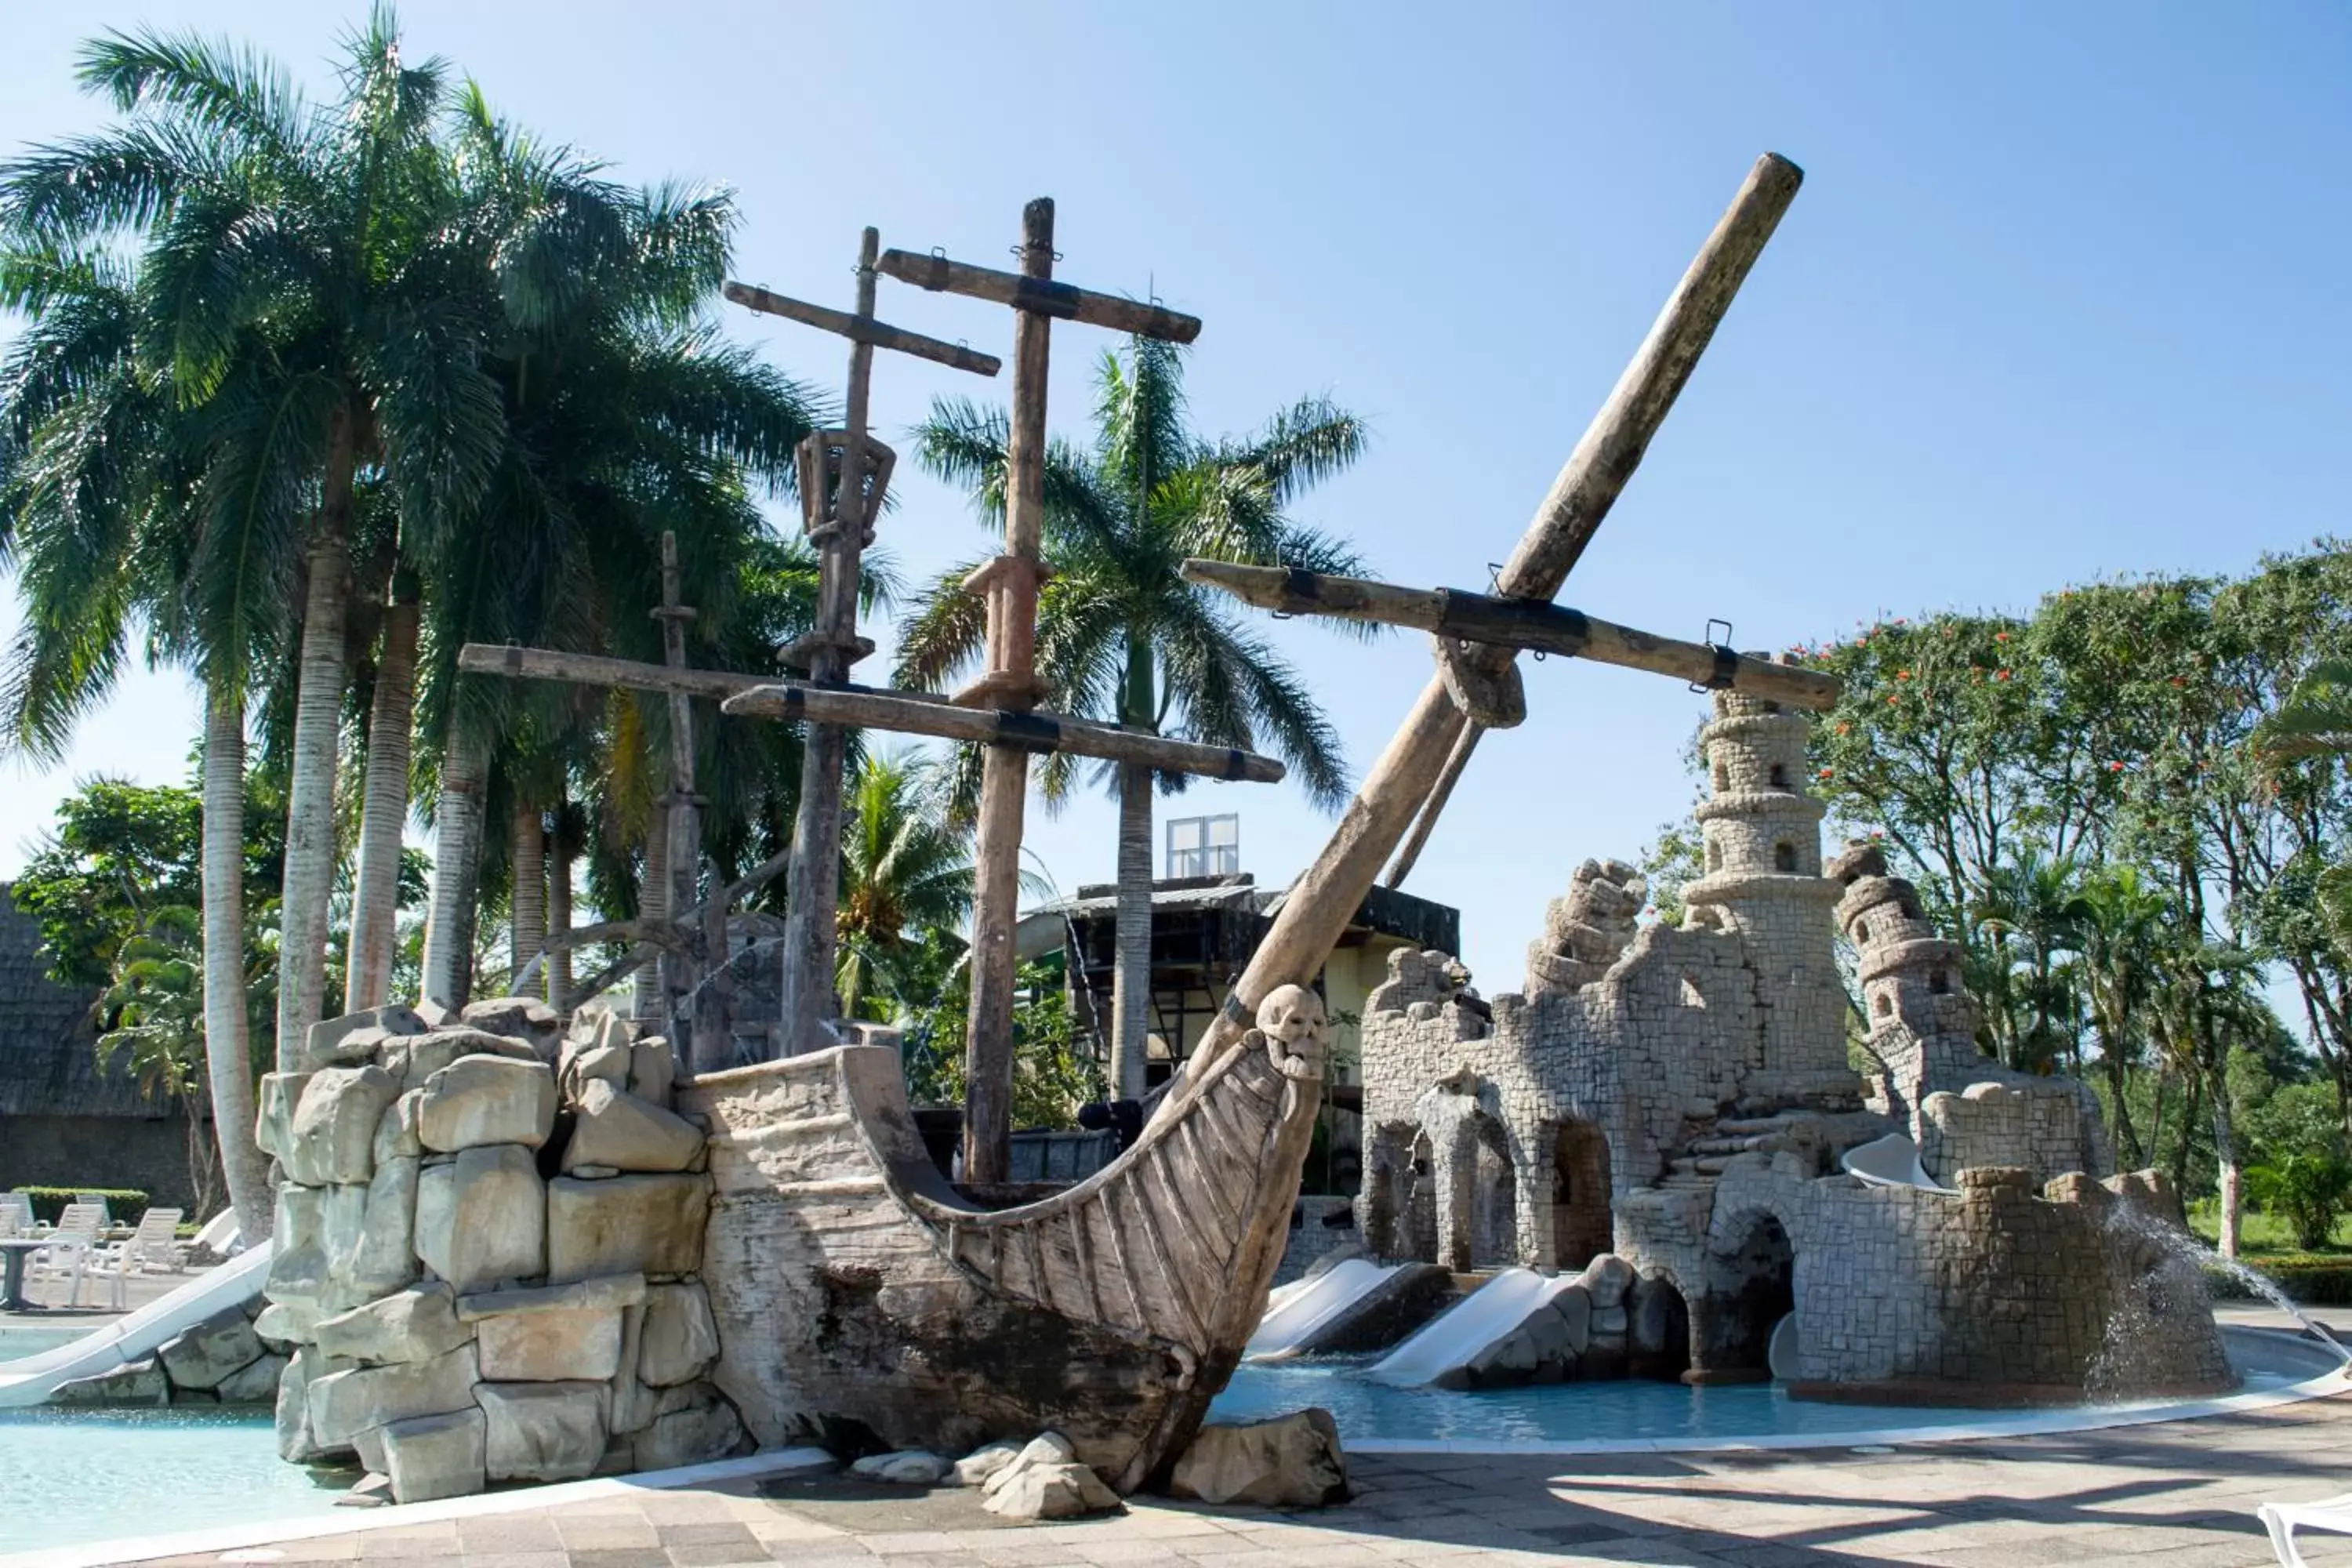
(1121, 636)
(2023, 907)
(906, 872)
(117, 499)
(2117, 922)
(313, 246)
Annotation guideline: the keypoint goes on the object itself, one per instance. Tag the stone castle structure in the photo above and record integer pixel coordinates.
(1683, 1096)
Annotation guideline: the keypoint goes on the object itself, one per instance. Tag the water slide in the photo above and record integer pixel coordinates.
(1451, 1338)
(1295, 1312)
(30, 1379)
(1891, 1162)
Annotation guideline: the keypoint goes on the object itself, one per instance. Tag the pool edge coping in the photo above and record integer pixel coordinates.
(218, 1539)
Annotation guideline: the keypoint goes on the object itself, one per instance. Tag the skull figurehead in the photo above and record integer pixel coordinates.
(1291, 1019)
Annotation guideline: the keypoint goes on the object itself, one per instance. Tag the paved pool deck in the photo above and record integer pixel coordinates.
(2180, 1493)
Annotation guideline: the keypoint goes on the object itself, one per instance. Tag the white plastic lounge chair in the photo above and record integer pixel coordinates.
(2284, 1519)
(105, 1215)
(155, 1248)
(16, 1214)
(71, 1239)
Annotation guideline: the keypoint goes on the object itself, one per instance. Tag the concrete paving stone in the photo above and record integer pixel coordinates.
(607, 1535)
(717, 1555)
(424, 1540)
(550, 1559)
(617, 1557)
(706, 1533)
(909, 1543)
(508, 1532)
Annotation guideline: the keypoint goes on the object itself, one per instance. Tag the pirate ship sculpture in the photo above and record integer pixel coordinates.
(821, 1278)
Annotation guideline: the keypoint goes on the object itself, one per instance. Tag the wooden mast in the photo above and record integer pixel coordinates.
(842, 477)
(681, 965)
(812, 887)
(1010, 683)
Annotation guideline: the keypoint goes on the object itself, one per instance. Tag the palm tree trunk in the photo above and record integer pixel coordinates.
(653, 906)
(559, 915)
(310, 791)
(457, 861)
(1131, 962)
(376, 897)
(527, 903)
(228, 1049)
(2225, 1154)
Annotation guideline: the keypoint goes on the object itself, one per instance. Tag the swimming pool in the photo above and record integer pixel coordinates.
(1636, 1413)
(15, 1342)
(74, 1476)
(69, 1478)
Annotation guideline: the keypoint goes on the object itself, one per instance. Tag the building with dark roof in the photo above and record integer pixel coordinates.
(64, 1122)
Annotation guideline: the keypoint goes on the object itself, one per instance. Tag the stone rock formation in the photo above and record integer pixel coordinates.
(456, 1318)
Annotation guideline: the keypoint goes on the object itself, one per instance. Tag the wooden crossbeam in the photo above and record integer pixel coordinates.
(598, 669)
(863, 330)
(921, 713)
(1063, 301)
(1532, 625)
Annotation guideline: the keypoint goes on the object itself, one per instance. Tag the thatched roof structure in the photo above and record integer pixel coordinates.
(48, 1066)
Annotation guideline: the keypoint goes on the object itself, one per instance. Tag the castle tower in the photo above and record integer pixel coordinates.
(1920, 1018)
(1763, 881)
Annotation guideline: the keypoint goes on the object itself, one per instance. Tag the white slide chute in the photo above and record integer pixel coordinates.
(1891, 1162)
(1453, 1338)
(30, 1379)
(1296, 1313)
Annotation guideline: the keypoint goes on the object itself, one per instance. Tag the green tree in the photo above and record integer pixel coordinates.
(906, 879)
(1121, 636)
(154, 1014)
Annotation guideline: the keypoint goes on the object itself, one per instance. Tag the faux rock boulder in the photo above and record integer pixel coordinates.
(619, 1131)
(905, 1467)
(332, 1138)
(679, 1339)
(481, 1218)
(343, 1405)
(1043, 1480)
(624, 1225)
(411, 1325)
(1290, 1461)
(204, 1357)
(541, 1431)
(560, 1333)
(431, 1457)
(480, 1101)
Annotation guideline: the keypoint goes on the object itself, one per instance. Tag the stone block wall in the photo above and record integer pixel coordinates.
(489, 1237)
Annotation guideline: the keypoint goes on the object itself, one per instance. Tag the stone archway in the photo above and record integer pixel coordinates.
(1582, 1225)
(1751, 1287)
(1396, 1164)
(1486, 1201)
(1418, 1241)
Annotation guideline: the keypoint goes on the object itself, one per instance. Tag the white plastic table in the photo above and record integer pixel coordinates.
(16, 1250)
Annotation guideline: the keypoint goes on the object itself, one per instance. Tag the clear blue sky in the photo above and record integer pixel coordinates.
(2063, 296)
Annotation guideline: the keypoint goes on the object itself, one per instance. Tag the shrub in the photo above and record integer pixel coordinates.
(124, 1205)
(2308, 1190)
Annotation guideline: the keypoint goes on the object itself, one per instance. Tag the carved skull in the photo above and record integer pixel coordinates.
(1291, 1019)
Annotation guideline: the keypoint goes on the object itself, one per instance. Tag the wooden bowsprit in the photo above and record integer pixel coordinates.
(1009, 683)
(844, 475)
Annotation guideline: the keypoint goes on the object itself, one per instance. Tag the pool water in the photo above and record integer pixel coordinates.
(73, 1477)
(15, 1342)
(1625, 1411)
(68, 1477)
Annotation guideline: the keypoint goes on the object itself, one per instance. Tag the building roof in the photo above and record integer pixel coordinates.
(48, 1064)
(1383, 913)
